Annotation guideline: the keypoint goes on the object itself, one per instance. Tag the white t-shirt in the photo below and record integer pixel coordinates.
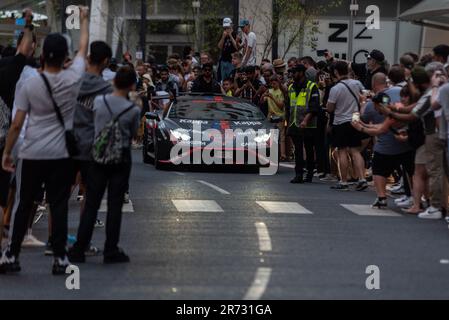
(250, 41)
(27, 73)
(345, 103)
(45, 136)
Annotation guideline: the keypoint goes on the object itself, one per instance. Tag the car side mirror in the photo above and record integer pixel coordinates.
(275, 119)
(152, 116)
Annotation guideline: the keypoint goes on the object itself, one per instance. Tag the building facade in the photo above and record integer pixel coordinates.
(171, 26)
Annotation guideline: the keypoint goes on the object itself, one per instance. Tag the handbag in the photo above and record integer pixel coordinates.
(70, 138)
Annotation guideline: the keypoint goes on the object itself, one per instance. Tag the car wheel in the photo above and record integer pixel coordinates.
(157, 164)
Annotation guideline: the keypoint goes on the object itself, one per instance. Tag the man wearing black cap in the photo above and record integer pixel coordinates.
(206, 82)
(375, 64)
(302, 107)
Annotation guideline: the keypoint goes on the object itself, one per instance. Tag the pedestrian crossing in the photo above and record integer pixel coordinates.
(280, 207)
(269, 207)
(283, 207)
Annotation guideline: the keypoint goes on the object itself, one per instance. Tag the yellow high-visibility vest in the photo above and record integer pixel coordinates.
(299, 101)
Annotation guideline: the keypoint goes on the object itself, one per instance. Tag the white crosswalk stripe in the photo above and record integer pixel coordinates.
(283, 207)
(127, 207)
(197, 206)
(366, 210)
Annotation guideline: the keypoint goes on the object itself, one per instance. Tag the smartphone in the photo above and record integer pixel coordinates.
(321, 53)
(386, 101)
(356, 117)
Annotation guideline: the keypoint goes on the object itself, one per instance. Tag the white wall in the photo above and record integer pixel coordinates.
(98, 20)
(433, 37)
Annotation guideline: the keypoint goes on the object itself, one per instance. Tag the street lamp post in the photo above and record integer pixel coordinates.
(62, 11)
(143, 27)
(196, 5)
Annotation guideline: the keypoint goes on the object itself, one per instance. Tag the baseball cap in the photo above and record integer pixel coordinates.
(244, 23)
(376, 55)
(227, 22)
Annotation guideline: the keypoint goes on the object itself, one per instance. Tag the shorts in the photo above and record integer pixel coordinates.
(384, 165)
(345, 136)
(421, 155)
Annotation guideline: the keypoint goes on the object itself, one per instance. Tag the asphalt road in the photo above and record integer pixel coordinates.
(259, 237)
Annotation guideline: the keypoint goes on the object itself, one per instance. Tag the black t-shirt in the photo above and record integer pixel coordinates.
(228, 48)
(200, 85)
(10, 71)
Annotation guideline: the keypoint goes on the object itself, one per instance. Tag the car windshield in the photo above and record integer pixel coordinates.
(215, 110)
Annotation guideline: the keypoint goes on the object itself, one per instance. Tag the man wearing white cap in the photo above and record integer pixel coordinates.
(228, 45)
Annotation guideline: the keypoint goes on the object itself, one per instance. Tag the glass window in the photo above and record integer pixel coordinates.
(208, 109)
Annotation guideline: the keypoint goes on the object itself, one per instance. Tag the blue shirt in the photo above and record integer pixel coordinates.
(386, 143)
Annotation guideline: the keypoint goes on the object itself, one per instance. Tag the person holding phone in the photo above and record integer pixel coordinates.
(228, 45)
(390, 154)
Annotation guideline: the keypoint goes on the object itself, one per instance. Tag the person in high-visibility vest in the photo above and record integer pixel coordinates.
(302, 109)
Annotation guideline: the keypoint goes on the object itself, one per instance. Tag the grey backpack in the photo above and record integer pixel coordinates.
(109, 145)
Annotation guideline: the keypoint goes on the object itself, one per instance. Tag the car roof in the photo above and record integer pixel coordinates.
(210, 97)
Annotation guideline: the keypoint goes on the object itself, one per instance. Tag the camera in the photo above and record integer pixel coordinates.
(382, 98)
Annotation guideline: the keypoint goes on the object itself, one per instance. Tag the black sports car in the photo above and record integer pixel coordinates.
(210, 129)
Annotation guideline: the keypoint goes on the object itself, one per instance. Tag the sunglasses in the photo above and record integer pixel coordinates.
(207, 70)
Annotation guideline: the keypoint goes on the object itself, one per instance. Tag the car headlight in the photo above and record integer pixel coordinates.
(262, 138)
(180, 134)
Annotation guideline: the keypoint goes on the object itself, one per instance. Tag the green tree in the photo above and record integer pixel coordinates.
(294, 19)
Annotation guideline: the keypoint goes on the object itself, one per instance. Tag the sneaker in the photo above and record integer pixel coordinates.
(48, 249)
(340, 187)
(446, 219)
(362, 185)
(398, 189)
(352, 182)
(30, 241)
(309, 178)
(116, 257)
(431, 213)
(60, 266)
(126, 198)
(380, 204)
(99, 224)
(328, 178)
(76, 257)
(9, 264)
(297, 179)
(92, 251)
(406, 203)
(400, 199)
(79, 198)
(393, 187)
